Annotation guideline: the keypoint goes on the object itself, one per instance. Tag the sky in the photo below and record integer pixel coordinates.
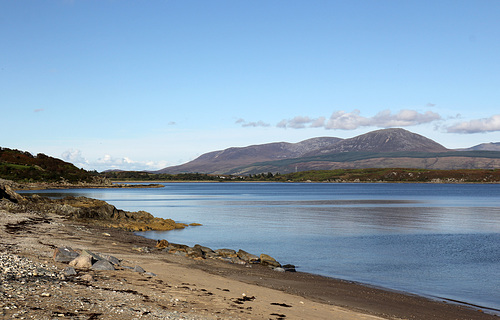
(143, 85)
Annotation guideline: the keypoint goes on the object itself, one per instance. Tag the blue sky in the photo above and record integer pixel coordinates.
(144, 85)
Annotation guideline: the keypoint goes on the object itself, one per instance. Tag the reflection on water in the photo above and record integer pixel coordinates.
(437, 240)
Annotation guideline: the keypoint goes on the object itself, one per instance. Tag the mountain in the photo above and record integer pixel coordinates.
(385, 140)
(386, 148)
(223, 161)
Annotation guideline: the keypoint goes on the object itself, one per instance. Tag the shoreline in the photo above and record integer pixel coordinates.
(365, 287)
(329, 292)
(276, 295)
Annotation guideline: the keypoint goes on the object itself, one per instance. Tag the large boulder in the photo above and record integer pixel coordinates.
(195, 252)
(6, 192)
(64, 254)
(267, 260)
(248, 257)
(162, 244)
(102, 265)
(81, 262)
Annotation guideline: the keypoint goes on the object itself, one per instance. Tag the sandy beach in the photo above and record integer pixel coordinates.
(175, 287)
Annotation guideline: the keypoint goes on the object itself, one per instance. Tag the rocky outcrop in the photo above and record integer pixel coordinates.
(8, 194)
(199, 252)
(86, 210)
(102, 213)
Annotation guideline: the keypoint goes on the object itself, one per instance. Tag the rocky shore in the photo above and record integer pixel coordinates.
(58, 265)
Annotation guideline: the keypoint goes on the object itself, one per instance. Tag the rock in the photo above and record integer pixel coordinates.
(6, 192)
(195, 252)
(102, 265)
(237, 260)
(279, 269)
(139, 269)
(81, 262)
(64, 254)
(97, 212)
(161, 244)
(178, 253)
(248, 257)
(87, 277)
(94, 256)
(178, 247)
(289, 267)
(210, 255)
(115, 261)
(267, 260)
(69, 271)
(226, 253)
(204, 249)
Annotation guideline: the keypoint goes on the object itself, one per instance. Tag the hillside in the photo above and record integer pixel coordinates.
(223, 161)
(21, 166)
(386, 140)
(387, 148)
(492, 146)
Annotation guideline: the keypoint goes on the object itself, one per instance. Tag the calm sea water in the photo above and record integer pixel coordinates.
(437, 240)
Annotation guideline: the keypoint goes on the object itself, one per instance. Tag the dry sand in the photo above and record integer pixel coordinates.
(182, 288)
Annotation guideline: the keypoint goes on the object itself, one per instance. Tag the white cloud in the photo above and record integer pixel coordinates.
(75, 157)
(346, 120)
(353, 120)
(252, 124)
(318, 123)
(479, 125)
(404, 118)
(108, 162)
(298, 122)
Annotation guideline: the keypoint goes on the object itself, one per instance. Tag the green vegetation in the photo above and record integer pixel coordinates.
(21, 166)
(339, 175)
(148, 176)
(396, 175)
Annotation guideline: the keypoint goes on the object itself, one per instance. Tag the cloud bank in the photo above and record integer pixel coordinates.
(353, 120)
(107, 162)
(476, 126)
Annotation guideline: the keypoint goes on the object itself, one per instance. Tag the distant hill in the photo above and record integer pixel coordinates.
(21, 166)
(387, 148)
(492, 146)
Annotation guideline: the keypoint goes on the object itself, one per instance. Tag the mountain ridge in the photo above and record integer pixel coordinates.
(394, 147)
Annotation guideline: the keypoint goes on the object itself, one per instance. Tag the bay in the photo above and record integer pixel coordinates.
(436, 240)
